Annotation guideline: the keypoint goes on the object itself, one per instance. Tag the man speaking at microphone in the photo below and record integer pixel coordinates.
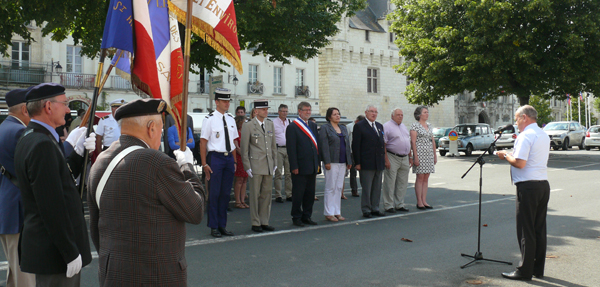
(529, 171)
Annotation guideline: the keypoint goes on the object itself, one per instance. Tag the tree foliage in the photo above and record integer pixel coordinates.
(495, 48)
(279, 29)
(542, 106)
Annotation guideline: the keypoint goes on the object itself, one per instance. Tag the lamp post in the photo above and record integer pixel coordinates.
(57, 66)
(235, 82)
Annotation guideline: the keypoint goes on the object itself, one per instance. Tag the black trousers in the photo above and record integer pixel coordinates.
(303, 195)
(353, 183)
(532, 206)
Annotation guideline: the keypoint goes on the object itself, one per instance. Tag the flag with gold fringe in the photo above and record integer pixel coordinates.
(215, 22)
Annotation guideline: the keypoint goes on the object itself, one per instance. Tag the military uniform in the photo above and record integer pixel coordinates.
(219, 129)
(108, 128)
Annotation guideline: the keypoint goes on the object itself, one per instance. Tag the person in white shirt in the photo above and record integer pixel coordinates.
(281, 123)
(108, 129)
(529, 171)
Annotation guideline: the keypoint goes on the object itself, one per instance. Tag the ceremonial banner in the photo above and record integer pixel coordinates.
(118, 29)
(215, 22)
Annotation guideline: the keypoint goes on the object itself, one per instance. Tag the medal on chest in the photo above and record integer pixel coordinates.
(218, 135)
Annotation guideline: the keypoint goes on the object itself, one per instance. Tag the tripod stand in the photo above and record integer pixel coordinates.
(478, 255)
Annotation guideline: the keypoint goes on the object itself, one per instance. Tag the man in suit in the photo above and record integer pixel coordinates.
(54, 240)
(259, 157)
(369, 157)
(353, 185)
(302, 149)
(11, 207)
(139, 209)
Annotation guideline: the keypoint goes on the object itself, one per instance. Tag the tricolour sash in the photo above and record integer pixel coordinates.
(306, 131)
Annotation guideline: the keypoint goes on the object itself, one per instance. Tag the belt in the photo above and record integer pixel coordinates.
(223, 153)
(400, 155)
(280, 146)
(531, 181)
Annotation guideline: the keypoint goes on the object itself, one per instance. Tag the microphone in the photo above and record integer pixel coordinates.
(504, 128)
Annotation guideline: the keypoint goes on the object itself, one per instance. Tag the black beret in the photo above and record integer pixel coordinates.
(141, 107)
(16, 97)
(44, 91)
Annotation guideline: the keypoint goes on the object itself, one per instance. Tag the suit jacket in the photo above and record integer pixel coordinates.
(11, 207)
(330, 144)
(259, 150)
(368, 146)
(302, 153)
(54, 231)
(139, 230)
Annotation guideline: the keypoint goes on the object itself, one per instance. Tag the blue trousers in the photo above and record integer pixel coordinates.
(219, 184)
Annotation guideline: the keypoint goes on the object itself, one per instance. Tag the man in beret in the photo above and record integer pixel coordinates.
(108, 130)
(11, 207)
(145, 200)
(54, 242)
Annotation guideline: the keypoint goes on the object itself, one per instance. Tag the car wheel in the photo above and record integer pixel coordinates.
(588, 148)
(582, 145)
(491, 150)
(566, 144)
(469, 150)
(442, 152)
(555, 147)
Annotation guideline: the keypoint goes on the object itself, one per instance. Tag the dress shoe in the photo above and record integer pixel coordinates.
(309, 221)
(378, 213)
(256, 229)
(215, 233)
(367, 214)
(267, 228)
(421, 207)
(402, 209)
(298, 222)
(391, 210)
(279, 199)
(428, 206)
(515, 275)
(288, 198)
(331, 218)
(225, 231)
(355, 194)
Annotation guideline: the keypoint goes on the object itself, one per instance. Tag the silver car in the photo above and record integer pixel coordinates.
(592, 138)
(470, 137)
(565, 135)
(507, 139)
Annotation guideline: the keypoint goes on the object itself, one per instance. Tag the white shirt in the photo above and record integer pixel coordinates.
(213, 131)
(533, 146)
(373, 126)
(109, 129)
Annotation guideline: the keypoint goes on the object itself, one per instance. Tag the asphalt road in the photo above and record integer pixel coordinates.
(370, 252)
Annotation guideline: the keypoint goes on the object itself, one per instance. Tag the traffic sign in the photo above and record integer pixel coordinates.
(452, 136)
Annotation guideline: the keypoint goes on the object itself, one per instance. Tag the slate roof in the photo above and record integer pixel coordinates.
(367, 19)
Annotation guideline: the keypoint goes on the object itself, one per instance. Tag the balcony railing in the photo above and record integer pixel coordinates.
(302, 91)
(255, 88)
(22, 73)
(77, 81)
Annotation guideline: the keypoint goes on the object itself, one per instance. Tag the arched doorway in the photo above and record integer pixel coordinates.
(483, 118)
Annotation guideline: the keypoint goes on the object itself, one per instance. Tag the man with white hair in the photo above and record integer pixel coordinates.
(397, 162)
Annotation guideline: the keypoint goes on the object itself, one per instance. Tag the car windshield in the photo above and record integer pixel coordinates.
(594, 130)
(556, 127)
(465, 130)
(439, 131)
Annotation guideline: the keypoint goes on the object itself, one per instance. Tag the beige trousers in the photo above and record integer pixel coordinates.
(395, 182)
(283, 164)
(14, 276)
(260, 199)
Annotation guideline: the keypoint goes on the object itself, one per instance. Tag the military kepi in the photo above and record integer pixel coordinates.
(44, 91)
(117, 103)
(16, 97)
(141, 107)
(223, 94)
(258, 104)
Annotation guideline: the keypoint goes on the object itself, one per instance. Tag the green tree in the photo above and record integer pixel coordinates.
(542, 106)
(279, 29)
(494, 48)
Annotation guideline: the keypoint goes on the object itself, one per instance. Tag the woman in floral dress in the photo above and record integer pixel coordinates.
(425, 157)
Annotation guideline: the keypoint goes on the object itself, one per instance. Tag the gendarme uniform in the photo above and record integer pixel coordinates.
(108, 127)
(218, 129)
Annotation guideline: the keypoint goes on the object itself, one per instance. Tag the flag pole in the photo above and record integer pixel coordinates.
(186, 75)
(92, 112)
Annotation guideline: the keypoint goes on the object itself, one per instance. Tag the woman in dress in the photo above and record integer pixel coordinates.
(335, 153)
(241, 177)
(425, 157)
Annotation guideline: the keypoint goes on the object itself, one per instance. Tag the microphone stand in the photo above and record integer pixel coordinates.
(478, 255)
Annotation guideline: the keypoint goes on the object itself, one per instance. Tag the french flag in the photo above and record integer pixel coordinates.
(158, 59)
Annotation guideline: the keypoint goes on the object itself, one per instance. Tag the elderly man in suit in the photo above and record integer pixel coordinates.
(369, 157)
(54, 241)
(11, 208)
(259, 157)
(303, 152)
(140, 200)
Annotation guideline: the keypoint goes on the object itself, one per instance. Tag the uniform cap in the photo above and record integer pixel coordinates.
(44, 91)
(259, 104)
(16, 97)
(117, 103)
(141, 107)
(223, 94)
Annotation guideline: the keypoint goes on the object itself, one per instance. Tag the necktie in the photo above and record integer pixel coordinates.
(374, 128)
(263, 127)
(227, 143)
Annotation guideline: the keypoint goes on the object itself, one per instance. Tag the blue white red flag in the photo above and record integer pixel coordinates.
(118, 29)
(580, 96)
(569, 99)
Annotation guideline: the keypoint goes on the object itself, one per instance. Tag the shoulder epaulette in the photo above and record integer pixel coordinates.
(229, 115)
(269, 120)
(209, 115)
(105, 117)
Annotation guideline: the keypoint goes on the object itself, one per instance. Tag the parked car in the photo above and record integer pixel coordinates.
(470, 137)
(439, 133)
(507, 138)
(592, 138)
(565, 135)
